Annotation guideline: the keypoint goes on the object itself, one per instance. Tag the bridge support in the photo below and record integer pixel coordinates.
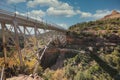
(4, 43)
(15, 25)
(4, 50)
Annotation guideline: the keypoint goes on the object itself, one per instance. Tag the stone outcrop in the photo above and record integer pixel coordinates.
(114, 14)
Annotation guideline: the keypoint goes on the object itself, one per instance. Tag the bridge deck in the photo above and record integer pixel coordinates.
(9, 17)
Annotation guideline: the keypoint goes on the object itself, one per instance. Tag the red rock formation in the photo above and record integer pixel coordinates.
(114, 14)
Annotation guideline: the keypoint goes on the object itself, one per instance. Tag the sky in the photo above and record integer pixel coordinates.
(62, 12)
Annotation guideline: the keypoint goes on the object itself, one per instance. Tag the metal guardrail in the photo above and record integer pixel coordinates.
(22, 13)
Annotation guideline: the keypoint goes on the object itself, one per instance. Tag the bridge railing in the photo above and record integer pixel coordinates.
(25, 13)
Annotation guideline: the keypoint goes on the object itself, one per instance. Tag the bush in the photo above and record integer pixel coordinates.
(83, 76)
(58, 75)
(69, 72)
(94, 69)
(48, 74)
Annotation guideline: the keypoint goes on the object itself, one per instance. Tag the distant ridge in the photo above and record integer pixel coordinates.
(114, 14)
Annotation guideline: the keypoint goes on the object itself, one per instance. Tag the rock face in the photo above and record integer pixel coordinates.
(114, 14)
(55, 54)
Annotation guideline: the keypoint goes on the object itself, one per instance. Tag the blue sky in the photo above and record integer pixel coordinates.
(64, 12)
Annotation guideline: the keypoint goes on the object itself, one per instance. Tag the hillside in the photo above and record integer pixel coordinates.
(109, 23)
(97, 55)
(97, 27)
(100, 41)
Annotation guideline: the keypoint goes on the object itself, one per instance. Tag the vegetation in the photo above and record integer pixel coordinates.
(98, 56)
(110, 25)
(101, 60)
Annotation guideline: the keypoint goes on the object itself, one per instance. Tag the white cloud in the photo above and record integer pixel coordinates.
(49, 3)
(118, 11)
(34, 3)
(64, 6)
(83, 14)
(65, 26)
(35, 14)
(15, 1)
(97, 15)
(55, 7)
(59, 8)
(101, 13)
(60, 12)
